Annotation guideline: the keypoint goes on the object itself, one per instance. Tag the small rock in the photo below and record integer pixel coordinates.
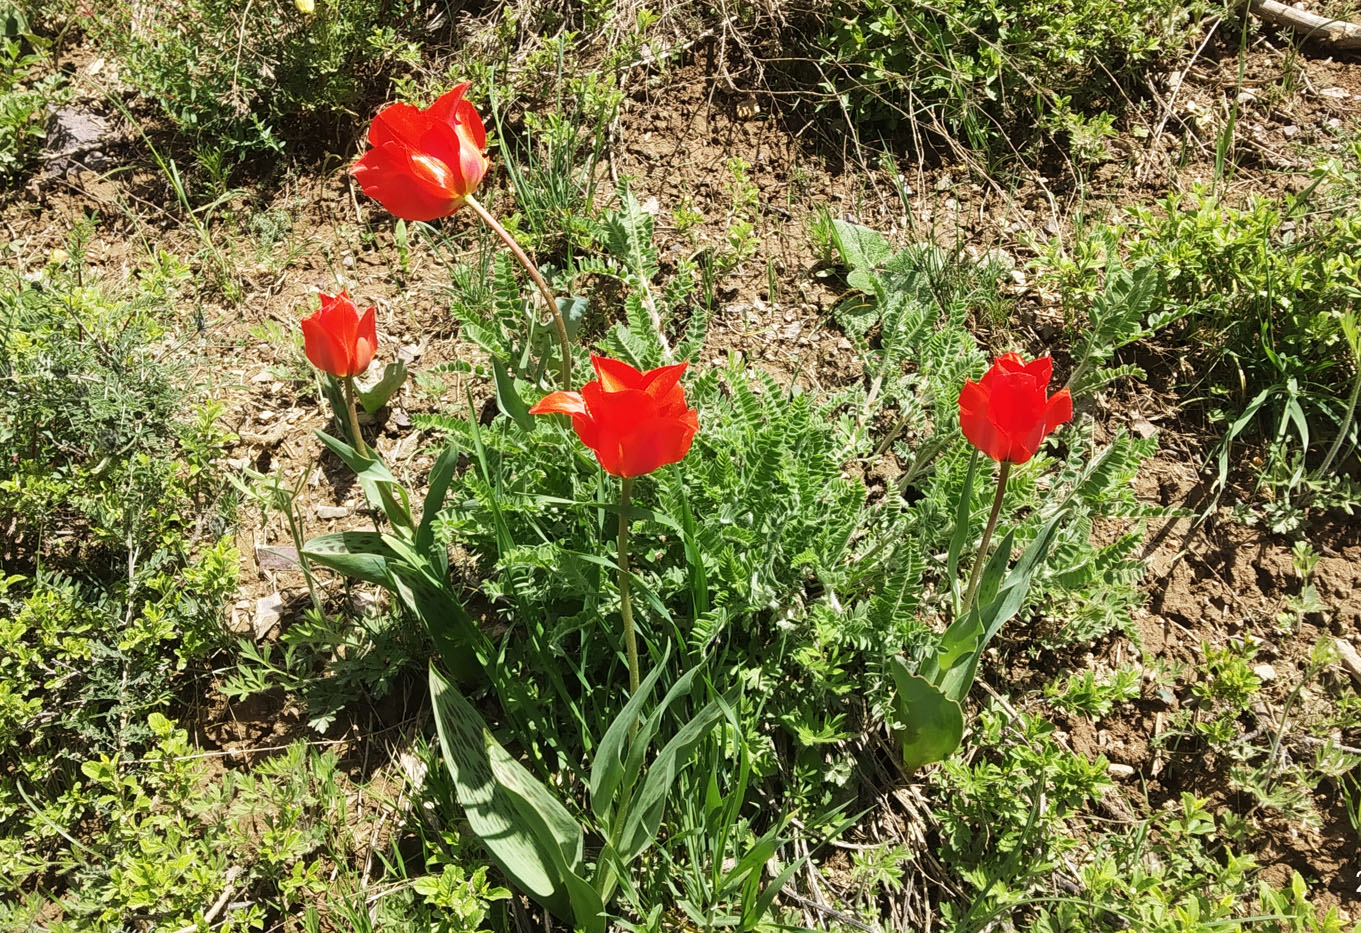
(238, 464)
(1265, 672)
(263, 375)
(1351, 660)
(411, 352)
(265, 415)
(329, 512)
(844, 345)
(1120, 772)
(277, 558)
(268, 609)
(1336, 92)
(1288, 131)
(1143, 428)
(651, 206)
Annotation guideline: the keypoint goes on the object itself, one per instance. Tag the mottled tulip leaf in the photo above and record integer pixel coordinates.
(929, 725)
(376, 396)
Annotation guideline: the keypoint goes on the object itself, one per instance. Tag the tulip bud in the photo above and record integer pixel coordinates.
(305, 7)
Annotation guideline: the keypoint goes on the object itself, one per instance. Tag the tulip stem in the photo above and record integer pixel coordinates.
(625, 602)
(976, 574)
(563, 341)
(359, 444)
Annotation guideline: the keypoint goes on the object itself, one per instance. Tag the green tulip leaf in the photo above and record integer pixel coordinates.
(929, 725)
(381, 488)
(376, 396)
(573, 311)
(508, 399)
(529, 834)
(363, 555)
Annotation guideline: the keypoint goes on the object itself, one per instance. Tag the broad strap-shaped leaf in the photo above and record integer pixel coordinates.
(956, 674)
(530, 852)
(959, 538)
(508, 399)
(376, 396)
(363, 555)
(441, 477)
(380, 487)
(463, 646)
(929, 725)
(554, 827)
(644, 816)
(608, 768)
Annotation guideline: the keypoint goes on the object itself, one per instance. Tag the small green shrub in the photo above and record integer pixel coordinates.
(1256, 293)
(991, 73)
(241, 79)
(26, 93)
(117, 563)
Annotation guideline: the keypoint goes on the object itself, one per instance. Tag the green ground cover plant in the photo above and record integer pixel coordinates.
(244, 80)
(682, 638)
(1264, 293)
(118, 561)
(27, 89)
(999, 76)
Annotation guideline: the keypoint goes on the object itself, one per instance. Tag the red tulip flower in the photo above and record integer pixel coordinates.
(424, 163)
(337, 340)
(635, 422)
(1008, 415)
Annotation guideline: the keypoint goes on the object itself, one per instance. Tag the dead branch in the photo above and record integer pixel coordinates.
(1335, 34)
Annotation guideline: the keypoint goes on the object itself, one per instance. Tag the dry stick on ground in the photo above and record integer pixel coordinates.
(1335, 34)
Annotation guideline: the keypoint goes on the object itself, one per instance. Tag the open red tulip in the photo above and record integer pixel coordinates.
(635, 422)
(424, 162)
(337, 339)
(1007, 415)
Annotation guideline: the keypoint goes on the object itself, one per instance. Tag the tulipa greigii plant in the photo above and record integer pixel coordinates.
(426, 164)
(1005, 416)
(634, 422)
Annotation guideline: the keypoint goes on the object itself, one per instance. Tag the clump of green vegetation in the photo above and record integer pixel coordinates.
(1259, 292)
(991, 74)
(248, 79)
(27, 89)
(116, 561)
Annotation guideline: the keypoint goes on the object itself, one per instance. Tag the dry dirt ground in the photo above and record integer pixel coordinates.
(673, 137)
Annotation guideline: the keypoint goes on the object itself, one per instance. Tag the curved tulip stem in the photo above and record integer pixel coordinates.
(975, 575)
(625, 602)
(563, 341)
(359, 444)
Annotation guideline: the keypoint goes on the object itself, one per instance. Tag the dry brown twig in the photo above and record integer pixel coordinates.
(1337, 35)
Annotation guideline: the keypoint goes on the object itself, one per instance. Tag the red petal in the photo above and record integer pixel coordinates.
(388, 176)
(1016, 403)
(655, 444)
(1042, 369)
(616, 375)
(470, 122)
(323, 350)
(560, 403)
(366, 341)
(977, 426)
(399, 123)
(1058, 410)
(659, 382)
(445, 110)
